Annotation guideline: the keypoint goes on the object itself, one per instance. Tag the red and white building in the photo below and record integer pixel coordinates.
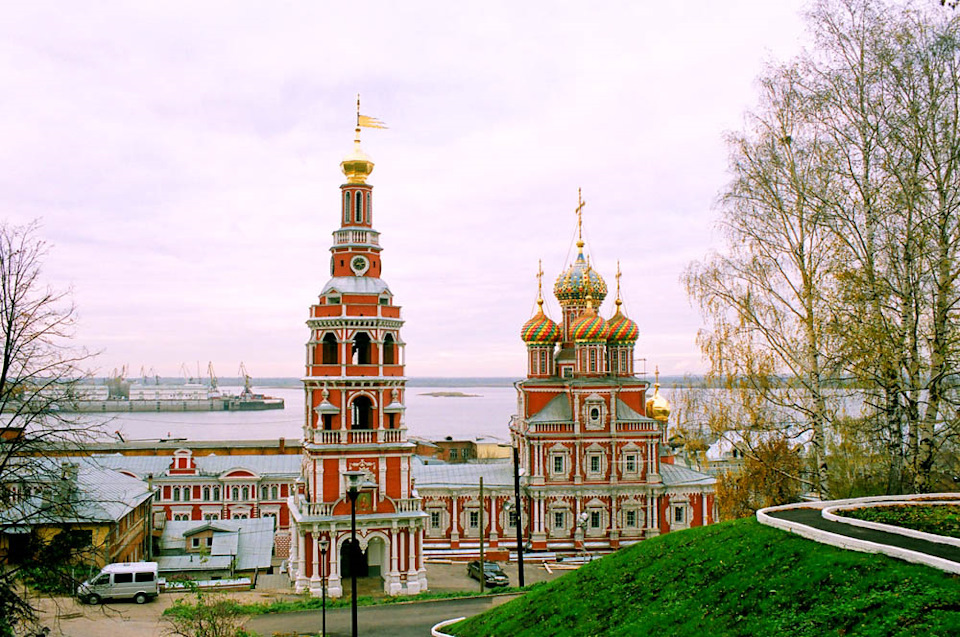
(589, 440)
(354, 418)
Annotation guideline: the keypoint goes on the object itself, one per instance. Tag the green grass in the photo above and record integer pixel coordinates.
(735, 578)
(941, 519)
(309, 602)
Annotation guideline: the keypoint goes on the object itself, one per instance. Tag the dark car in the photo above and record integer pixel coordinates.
(493, 575)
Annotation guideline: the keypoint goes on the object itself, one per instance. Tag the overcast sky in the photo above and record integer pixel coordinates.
(183, 159)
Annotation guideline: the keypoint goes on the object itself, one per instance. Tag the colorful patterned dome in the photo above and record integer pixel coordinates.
(589, 328)
(540, 330)
(578, 281)
(620, 329)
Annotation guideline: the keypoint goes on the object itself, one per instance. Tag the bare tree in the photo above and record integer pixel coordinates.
(38, 373)
(843, 230)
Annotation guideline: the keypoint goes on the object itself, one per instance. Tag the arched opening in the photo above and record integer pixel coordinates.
(358, 202)
(361, 349)
(362, 413)
(389, 350)
(358, 563)
(329, 349)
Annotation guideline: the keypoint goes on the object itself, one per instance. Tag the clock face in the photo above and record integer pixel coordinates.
(359, 265)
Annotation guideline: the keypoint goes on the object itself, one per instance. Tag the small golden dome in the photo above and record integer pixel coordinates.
(357, 166)
(658, 407)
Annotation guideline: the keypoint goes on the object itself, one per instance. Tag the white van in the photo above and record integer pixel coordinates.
(123, 580)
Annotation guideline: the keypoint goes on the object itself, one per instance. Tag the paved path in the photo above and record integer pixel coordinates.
(392, 620)
(812, 517)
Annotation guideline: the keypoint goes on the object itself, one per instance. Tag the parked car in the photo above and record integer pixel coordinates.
(124, 580)
(493, 575)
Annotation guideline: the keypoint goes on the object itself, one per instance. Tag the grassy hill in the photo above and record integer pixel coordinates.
(735, 578)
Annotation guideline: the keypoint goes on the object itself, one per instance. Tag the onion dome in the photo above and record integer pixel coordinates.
(589, 327)
(357, 166)
(578, 281)
(658, 407)
(540, 330)
(620, 329)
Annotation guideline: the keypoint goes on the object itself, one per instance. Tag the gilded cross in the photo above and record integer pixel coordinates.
(580, 204)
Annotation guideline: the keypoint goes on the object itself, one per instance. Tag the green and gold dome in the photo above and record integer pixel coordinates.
(620, 329)
(540, 330)
(589, 328)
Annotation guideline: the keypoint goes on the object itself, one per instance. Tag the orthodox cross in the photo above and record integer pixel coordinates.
(540, 280)
(580, 204)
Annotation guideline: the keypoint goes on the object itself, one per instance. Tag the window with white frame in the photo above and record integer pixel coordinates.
(474, 519)
(435, 520)
(595, 519)
(512, 519)
(181, 517)
(595, 460)
(679, 514)
(559, 520)
(630, 463)
(211, 516)
(216, 493)
(630, 519)
(206, 494)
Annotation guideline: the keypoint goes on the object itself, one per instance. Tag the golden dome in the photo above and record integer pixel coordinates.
(658, 407)
(357, 166)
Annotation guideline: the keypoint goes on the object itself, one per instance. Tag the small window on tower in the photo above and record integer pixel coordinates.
(358, 215)
(346, 208)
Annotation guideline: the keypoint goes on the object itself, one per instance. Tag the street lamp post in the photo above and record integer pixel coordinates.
(353, 490)
(516, 497)
(324, 545)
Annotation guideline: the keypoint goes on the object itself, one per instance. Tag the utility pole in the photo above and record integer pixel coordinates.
(483, 571)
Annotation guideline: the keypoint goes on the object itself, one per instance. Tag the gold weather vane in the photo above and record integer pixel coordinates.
(365, 121)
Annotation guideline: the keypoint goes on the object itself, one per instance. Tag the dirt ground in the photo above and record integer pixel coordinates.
(66, 617)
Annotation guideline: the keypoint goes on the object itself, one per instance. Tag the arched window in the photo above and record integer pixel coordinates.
(593, 360)
(235, 493)
(361, 349)
(358, 205)
(216, 493)
(176, 494)
(186, 493)
(389, 350)
(329, 349)
(346, 206)
(369, 207)
(274, 492)
(246, 493)
(362, 413)
(543, 362)
(206, 494)
(264, 492)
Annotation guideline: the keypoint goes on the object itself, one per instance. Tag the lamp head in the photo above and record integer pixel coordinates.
(324, 545)
(354, 479)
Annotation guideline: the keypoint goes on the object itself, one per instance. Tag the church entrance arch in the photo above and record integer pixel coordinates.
(358, 562)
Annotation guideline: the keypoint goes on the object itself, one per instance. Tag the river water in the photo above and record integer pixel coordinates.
(485, 411)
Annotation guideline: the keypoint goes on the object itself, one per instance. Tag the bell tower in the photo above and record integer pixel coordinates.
(354, 415)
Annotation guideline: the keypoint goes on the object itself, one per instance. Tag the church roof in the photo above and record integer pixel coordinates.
(626, 413)
(355, 285)
(495, 474)
(677, 476)
(557, 410)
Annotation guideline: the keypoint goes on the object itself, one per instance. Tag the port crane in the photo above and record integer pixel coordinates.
(247, 391)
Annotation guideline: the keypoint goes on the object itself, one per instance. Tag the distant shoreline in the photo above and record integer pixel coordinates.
(450, 394)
